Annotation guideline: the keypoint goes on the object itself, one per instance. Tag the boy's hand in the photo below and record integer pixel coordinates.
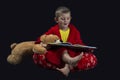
(91, 50)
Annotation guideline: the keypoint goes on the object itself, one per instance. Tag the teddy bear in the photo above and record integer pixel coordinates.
(19, 50)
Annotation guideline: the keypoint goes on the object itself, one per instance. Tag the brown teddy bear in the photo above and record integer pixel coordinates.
(29, 47)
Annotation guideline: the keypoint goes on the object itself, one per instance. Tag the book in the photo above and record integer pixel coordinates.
(73, 46)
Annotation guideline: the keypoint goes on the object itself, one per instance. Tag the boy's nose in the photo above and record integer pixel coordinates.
(65, 20)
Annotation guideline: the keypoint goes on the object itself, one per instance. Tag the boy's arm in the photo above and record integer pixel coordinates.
(78, 39)
(38, 41)
(50, 31)
(80, 42)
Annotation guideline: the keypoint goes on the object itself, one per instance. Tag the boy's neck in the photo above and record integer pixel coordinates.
(64, 28)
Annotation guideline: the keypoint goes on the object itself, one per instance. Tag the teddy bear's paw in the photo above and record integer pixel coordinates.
(39, 49)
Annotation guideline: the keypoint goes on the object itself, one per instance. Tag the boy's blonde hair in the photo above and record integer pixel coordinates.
(61, 10)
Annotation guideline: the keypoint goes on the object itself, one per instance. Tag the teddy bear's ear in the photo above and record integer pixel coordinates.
(42, 38)
(12, 46)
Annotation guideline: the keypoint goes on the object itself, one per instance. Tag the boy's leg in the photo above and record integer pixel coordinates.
(71, 60)
(41, 61)
(64, 70)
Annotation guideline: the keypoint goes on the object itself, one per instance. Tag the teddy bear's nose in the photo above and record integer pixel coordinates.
(57, 41)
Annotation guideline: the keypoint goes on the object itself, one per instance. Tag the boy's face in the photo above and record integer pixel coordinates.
(63, 20)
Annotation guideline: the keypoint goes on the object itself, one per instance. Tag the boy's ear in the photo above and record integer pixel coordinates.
(56, 20)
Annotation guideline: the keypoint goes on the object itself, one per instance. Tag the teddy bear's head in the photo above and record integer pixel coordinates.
(51, 38)
(45, 39)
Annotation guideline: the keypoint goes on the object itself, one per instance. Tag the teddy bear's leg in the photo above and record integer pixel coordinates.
(64, 70)
(71, 60)
(13, 45)
(14, 59)
(18, 51)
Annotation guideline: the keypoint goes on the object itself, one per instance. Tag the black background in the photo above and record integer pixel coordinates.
(25, 21)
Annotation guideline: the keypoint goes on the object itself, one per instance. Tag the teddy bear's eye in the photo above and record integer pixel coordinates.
(55, 40)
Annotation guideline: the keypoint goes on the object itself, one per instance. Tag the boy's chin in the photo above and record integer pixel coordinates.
(64, 26)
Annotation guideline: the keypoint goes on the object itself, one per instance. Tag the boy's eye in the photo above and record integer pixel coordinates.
(68, 18)
(62, 19)
(65, 18)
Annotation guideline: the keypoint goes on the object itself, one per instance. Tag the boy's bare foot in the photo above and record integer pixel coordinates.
(64, 70)
(75, 60)
(71, 60)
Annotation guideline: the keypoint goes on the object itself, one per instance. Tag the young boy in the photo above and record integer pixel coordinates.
(65, 60)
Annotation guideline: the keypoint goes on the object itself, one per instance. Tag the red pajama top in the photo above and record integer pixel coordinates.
(54, 56)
